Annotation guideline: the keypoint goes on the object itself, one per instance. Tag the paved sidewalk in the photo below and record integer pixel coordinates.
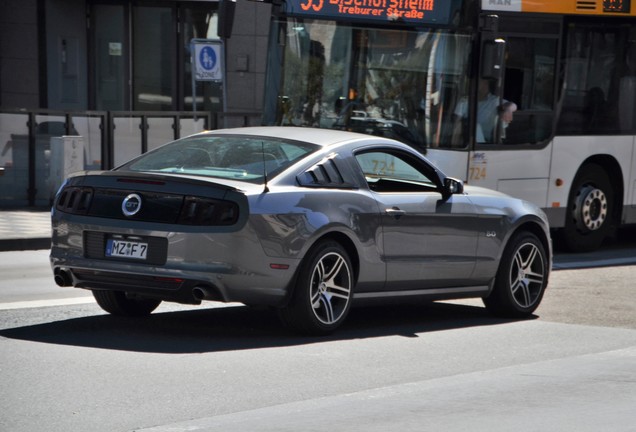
(25, 230)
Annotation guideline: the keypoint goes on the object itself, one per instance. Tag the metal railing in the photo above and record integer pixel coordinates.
(109, 138)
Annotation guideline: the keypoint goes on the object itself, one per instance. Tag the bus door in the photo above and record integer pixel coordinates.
(515, 106)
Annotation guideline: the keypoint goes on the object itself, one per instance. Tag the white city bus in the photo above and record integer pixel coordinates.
(535, 98)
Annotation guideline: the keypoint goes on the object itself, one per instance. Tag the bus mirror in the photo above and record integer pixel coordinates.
(492, 59)
(226, 18)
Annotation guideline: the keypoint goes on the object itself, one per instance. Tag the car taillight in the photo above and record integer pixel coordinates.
(206, 211)
(75, 200)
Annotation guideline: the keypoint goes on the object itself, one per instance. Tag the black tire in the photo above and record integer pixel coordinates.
(116, 303)
(322, 296)
(590, 212)
(521, 278)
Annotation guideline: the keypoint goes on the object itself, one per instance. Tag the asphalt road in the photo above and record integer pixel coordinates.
(67, 366)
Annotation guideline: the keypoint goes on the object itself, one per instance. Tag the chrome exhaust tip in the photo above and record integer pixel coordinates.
(62, 278)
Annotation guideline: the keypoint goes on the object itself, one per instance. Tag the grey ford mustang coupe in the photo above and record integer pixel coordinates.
(307, 221)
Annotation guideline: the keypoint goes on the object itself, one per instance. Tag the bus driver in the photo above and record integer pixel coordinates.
(489, 113)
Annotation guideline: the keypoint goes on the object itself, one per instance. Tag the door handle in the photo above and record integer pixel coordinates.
(396, 212)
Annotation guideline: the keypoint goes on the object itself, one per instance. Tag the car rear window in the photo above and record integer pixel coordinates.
(227, 156)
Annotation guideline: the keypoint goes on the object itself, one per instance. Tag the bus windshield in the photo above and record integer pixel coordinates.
(403, 84)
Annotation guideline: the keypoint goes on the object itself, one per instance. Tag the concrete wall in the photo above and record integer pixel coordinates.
(247, 56)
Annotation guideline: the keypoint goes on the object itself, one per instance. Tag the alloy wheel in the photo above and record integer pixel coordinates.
(330, 288)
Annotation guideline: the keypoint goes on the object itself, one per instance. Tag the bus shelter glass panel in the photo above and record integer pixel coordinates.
(47, 129)
(126, 139)
(397, 83)
(191, 126)
(160, 131)
(90, 129)
(14, 166)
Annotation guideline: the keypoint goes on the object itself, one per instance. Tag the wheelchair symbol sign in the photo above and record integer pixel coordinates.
(207, 61)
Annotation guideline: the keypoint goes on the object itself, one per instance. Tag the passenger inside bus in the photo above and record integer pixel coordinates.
(492, 112)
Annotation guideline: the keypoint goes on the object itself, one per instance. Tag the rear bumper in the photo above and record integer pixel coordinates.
(228, 267)
(179, 288)
(169, 289)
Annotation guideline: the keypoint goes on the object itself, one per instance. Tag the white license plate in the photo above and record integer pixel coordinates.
(126, 249)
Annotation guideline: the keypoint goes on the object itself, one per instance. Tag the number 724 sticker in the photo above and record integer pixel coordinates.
(477, 173)
(478, 167)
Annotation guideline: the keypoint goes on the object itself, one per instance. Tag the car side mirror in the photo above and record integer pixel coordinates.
(453, 186)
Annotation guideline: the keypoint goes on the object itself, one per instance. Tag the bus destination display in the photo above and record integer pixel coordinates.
(407, 11)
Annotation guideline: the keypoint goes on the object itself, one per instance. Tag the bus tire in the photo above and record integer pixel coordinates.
(590, 212)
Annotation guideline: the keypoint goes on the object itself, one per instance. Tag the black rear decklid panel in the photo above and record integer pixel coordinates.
(164, 199)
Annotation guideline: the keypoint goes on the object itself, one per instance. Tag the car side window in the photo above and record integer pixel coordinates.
(387, 171)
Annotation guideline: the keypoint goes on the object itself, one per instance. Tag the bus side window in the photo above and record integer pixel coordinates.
(529, 82)
(627, 85)
(600, 102)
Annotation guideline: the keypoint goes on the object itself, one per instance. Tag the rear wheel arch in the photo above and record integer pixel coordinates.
(321, 296)
(344, 241)
(350, 247)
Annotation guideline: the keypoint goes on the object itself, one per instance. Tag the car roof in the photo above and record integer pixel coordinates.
(321, 137)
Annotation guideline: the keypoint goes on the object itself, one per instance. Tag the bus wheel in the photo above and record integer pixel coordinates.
(589, 218)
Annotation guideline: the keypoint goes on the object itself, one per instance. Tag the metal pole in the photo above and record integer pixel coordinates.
(31, 190)
(194, 86)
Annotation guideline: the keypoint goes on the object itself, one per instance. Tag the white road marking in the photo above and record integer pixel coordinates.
(46, 303)
(563, 265)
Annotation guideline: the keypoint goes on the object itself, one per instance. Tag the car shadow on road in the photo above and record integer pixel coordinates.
(242, 327)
